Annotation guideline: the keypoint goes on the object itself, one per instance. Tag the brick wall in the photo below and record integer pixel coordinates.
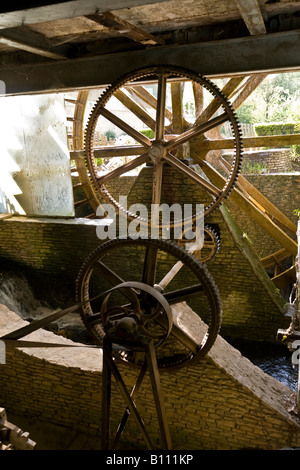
(53, 251)
(266, 161)
(223, 402)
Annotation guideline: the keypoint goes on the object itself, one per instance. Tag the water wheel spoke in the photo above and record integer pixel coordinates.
(124, 126)
(181, 336)
(128, 166)
(175, 162)
(196, 130)
(132, 106)
(161, 107)
(150, 264)
(113, 278)
(179, 295)
(142, 94)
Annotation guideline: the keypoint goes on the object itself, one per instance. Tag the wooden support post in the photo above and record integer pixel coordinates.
(298, 307)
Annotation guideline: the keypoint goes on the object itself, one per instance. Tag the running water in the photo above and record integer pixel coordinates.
(17, 295)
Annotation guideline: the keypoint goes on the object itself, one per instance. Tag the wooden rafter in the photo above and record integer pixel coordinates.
(112, 21)
(252, 15)
(29, 42)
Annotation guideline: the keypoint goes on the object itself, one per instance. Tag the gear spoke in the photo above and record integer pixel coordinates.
(181, 333)
(196, 130)
(145, 94)
(213, 190)
(123, 169)
(125, 127)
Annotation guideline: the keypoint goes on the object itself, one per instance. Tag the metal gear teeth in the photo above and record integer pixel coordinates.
(179, 72)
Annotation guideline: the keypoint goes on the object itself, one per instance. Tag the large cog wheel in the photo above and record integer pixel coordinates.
(148, 279)
(148, 94)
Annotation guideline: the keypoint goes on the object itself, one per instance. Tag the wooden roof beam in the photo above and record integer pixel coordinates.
(125, 28)
(29, 13)
(29, 42)
(252, 15)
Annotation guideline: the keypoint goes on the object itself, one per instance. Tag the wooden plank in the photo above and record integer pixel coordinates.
(246, 205)
(275, 258)
(17, 15)
(112, 21)
(261, 201)
(269, 53)
(274, 141)
(29, 42)
(135, 109)
(252, 15)
(286, 278)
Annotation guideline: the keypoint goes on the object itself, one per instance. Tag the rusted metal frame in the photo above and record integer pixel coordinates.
(38, 324)
(260, 200)
(110, 152)
(133, 395)
(113, 278)
(150, 262)
(111, 368)
(158, 396)
(248, 206)
(112, 21)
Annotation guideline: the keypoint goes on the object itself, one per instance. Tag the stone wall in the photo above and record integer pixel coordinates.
(283, 190)
(266, 161)
(224, 402)
(49, 251)
(52, 252)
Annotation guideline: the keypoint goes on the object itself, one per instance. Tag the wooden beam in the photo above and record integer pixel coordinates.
(241, 56)
(252, 16)
(250, 142)
(285, 279)
(125, 28)
(18, 15)
(29, 42)
(247, 205)
(261, 201)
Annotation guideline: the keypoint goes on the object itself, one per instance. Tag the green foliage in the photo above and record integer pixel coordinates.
(297, 212)
(277, 128)
(253, 168)
(110, 135)
(280, 128)
(148, 133)
(277, 98)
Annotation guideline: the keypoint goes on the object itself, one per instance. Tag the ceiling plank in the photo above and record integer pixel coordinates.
(28, 42)
(58, 10)
(242, 56)
(125, 28)
(252, 16)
